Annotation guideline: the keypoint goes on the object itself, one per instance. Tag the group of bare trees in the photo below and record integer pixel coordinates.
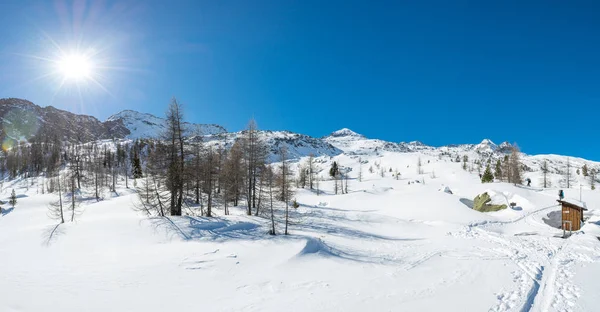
(340, 177)
(39, 156)
(70, 169)
(567, 180)
(68, 202)
(183, 174)
(509, 168)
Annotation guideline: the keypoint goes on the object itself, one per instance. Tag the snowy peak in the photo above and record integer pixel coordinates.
(144, 125)
(487, 142)
(486, 146)
(416, 143)
(345, 132)
(133, 115)
(297, 145)
(504, 148)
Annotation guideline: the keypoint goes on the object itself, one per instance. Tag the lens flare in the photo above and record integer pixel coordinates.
(20, 125)
(8, 144)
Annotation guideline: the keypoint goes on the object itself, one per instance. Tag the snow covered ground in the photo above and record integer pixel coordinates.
(387, 245)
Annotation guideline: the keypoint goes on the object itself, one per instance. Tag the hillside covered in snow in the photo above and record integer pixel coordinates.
(25, 120)
(373, 225)
(390, 240)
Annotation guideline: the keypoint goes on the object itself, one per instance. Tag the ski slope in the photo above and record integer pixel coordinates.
(387, 245)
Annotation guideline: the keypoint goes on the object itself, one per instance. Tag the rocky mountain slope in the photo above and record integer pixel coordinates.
(22, 120)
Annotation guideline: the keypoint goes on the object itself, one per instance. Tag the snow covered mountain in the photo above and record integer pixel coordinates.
(23, 120)
(143, 125)
(297, 145)
(353, 143)
(409, 230)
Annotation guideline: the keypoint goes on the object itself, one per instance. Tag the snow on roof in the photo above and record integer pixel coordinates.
(574, 202)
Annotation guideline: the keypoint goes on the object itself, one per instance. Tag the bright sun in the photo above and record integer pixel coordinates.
(75, 67)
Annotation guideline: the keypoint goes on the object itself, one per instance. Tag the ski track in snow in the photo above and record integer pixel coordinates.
(544, 278)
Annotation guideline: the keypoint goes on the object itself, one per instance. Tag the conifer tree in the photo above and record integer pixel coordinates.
(498, 170)
(334, 170)
(13, 198)
(487, 177)
(136, 166)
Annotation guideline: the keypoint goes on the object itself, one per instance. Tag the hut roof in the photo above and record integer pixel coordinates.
(574, 203)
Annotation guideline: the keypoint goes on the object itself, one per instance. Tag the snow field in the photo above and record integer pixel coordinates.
(387, 245)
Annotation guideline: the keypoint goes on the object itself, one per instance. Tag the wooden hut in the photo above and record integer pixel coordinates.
(572, 214)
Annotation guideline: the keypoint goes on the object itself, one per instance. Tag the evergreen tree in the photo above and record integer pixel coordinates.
(136, 166)
(584, 170)
(498, 170)
(13, 198)
(334, 170)
(592, 176)
(487, 177)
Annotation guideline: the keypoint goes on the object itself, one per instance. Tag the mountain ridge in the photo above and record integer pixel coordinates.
(130, 124)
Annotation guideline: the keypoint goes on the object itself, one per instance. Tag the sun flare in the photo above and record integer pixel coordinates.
(75, 67)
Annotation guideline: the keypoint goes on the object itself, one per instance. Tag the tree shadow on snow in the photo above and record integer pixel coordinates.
(203, 228)
(167, 226)
(336, 209)
(51, 233)
(323, 222)
(5, 211)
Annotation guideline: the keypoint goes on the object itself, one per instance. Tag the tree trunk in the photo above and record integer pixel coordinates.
(272, 214)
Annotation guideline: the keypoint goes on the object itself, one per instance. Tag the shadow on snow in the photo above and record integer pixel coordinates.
(4, 212)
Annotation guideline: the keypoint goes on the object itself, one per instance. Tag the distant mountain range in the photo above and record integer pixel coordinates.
(23, 120)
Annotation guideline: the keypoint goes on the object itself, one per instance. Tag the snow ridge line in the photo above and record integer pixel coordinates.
(493, 222)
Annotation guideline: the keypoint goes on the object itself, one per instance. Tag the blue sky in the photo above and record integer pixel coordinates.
(440, 72)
